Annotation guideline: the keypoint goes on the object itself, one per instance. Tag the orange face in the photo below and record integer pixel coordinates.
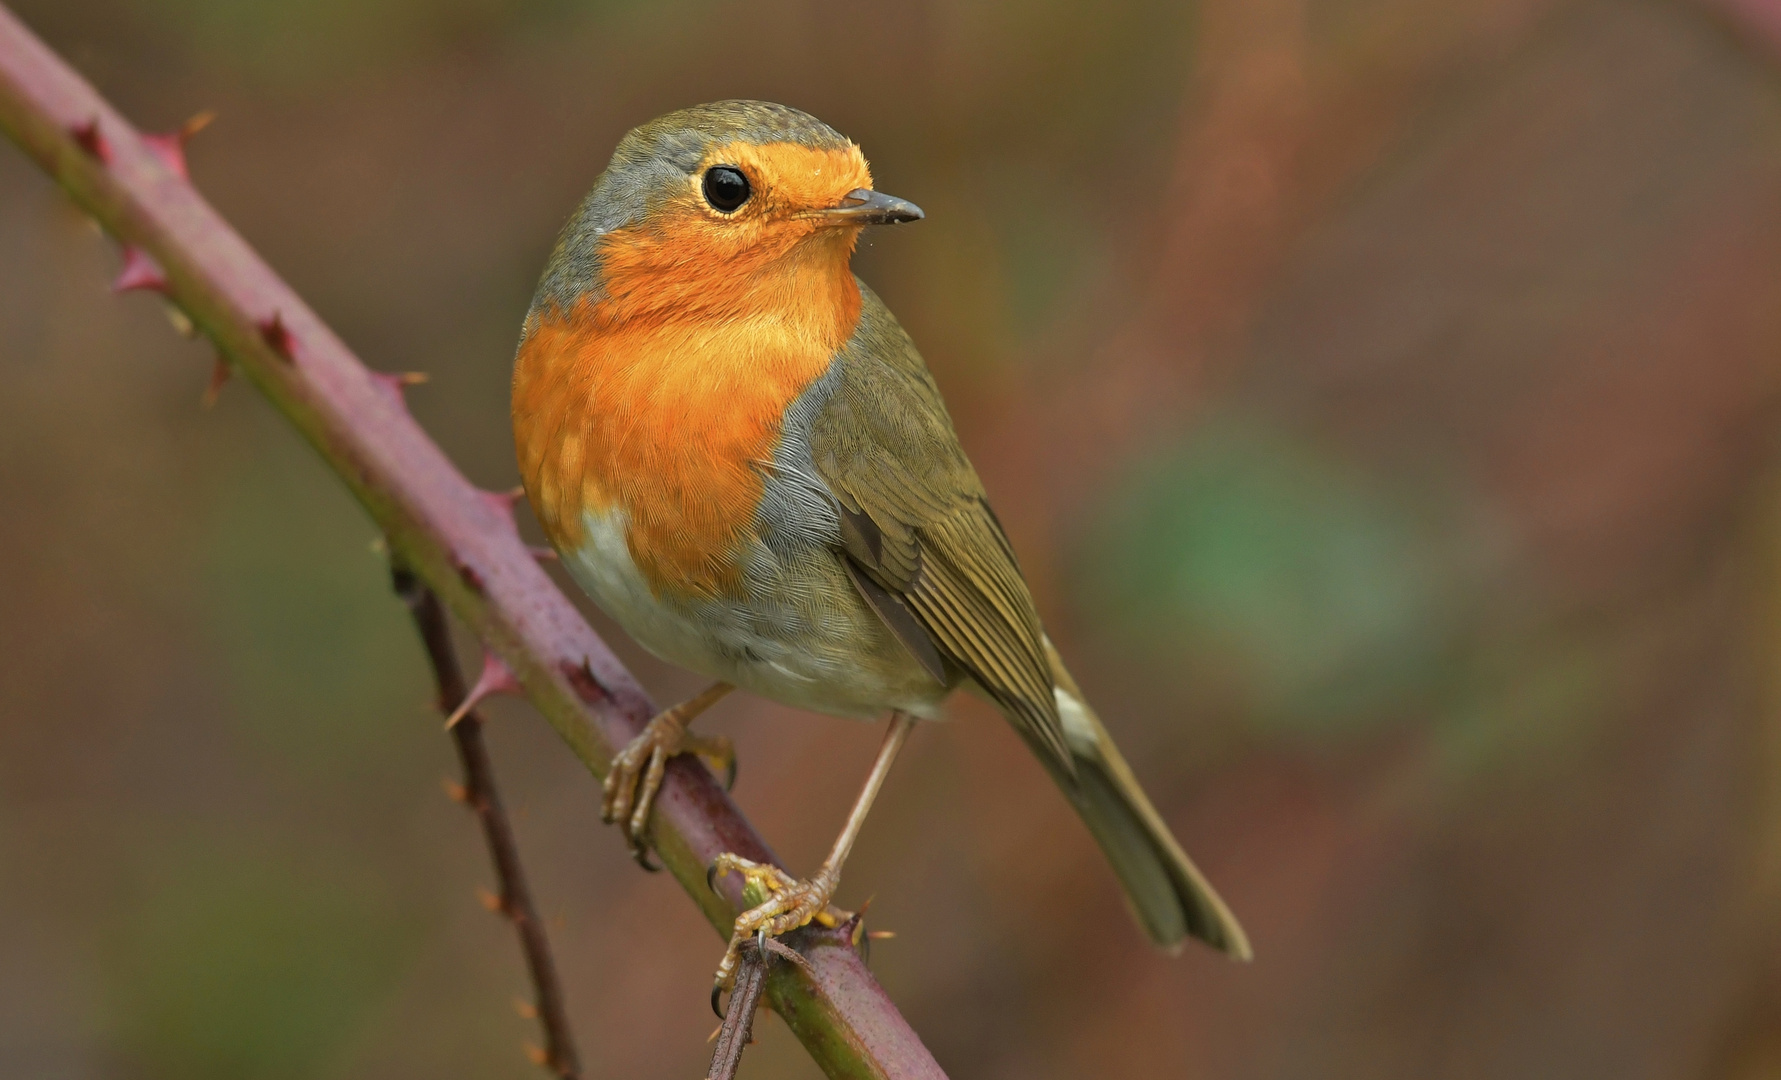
(661, 393)
(691, 260)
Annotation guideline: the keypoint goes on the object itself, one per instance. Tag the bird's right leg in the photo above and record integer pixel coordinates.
(636, 773)
(785, 904)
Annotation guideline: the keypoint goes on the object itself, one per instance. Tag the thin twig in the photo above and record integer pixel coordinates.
(737, 1029)
(738, 1024)
(465, 548)
(480, 794)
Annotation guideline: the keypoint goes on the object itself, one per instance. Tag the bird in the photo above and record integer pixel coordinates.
(739, 455)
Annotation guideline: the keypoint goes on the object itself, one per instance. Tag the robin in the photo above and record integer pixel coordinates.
(739, 454)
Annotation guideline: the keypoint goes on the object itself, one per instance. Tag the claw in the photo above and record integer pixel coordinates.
(717, 994)
(777, 904)
(641, 854)
(730, 774)
(711, 876)
(645, 797)
(635, 777)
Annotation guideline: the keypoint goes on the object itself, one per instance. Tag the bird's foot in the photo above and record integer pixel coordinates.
(635, 777)
(781, 905)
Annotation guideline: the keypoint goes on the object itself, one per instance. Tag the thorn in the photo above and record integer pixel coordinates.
(880, 935)
(274, 332)
(88, 137)
(490, 901)
(715, 1032)
(379, 546)
(198, 122)
(219, 374)
(537, 1056)
(392, 383)
(171, 146)
(525, 1008)
(544, 554)
(455, 791)
(581, 677)
(495, 679)
(502, 502)
(140, 271)
(180, 320)
(170, 150)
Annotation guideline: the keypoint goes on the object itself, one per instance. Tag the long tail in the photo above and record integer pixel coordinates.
(1168, 895)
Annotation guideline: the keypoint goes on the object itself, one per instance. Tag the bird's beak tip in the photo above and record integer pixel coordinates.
(863, 206)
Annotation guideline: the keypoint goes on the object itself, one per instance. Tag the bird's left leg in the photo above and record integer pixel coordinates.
(790, 904)
(636, 773)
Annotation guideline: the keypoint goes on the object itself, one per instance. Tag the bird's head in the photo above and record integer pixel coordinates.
(705, 207)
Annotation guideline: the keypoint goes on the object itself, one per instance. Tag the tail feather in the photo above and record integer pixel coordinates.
(1169, 896)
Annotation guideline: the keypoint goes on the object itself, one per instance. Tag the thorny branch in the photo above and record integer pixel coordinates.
(461, 544)
(480, 795)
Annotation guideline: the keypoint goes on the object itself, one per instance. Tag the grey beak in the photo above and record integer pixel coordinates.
(863, 206)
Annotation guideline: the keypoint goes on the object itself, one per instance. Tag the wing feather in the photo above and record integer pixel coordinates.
(921, 542)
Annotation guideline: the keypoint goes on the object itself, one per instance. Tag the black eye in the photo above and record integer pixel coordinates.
(726, 188)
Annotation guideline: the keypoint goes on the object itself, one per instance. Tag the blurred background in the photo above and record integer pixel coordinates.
(1381, 395)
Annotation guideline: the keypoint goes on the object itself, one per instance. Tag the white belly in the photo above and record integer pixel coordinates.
(822, 649)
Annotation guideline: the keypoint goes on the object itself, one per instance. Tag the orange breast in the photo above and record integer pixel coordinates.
(668, 410)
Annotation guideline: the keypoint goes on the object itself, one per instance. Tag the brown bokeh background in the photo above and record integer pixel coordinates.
(1381, 395)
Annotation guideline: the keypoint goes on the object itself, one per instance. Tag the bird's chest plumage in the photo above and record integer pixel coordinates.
(670, 465)
(671, 429)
